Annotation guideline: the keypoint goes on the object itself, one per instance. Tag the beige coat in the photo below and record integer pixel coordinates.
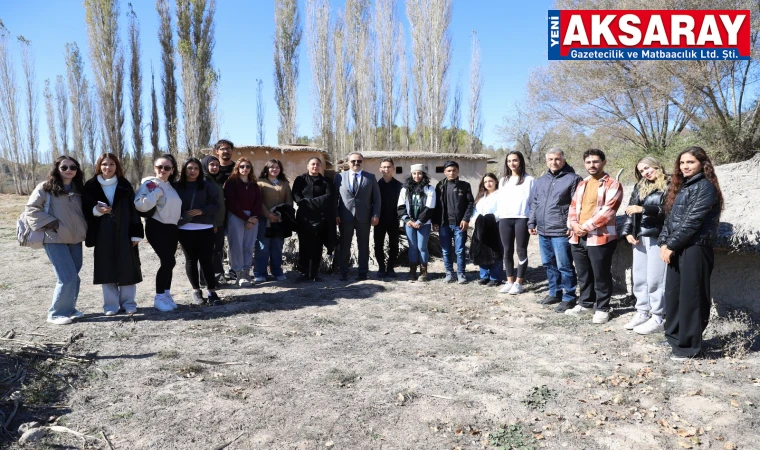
(67, 209)
(272, 195)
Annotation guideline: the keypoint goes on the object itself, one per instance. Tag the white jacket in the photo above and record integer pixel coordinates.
(514, 199)
(155, 192)
(486, 205)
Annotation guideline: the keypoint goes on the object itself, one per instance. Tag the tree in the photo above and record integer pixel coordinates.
(31, 98)
(107, 61)
(135, 88)
(154, 126)
(260, 112)
(55, 151)
(387, 27)
(91, 128)
(195, 42)
(474, 103)
(321, 58)
(341, 75)
(363, 82)
(76, 78)
(456, 119)
(404, 91)
(168, 82)
(62, 110)
(10, 133)
(286, 41)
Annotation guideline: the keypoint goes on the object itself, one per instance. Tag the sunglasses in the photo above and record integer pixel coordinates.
(164, 168)
(63, 168)
(245, 166)
(356, 161)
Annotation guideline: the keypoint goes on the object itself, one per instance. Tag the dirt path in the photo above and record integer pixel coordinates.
(392, 365)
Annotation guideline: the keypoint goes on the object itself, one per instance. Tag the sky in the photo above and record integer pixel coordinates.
(512, 36)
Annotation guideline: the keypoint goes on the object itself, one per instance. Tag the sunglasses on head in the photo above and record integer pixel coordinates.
(245, 166)
(164, 168)
(356, 161)
(64, 168)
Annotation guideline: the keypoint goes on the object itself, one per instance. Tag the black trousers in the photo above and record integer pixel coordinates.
(511, 230)
(392, 230)
(163, 238)
(218, 254)
(687, 298)
(198, 247)
(594, 267)
(310, 251)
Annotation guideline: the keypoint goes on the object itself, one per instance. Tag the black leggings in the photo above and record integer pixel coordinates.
(512, 230)
(310, 251)
(163, 238)
(198, 246)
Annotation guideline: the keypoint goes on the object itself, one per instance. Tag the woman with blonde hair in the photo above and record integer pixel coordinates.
(641, 229)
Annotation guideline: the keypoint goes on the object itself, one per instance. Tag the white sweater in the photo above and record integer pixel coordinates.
(514, 199)
(154, 192)
(486, 205)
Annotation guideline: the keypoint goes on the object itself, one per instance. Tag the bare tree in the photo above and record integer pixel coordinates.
(321, 58)
(107, 61)
(31, 98)
(75, 78)
(456, 118)
(341, 76)
(55, 151)
(195, 42)
(91, 128)
(363, 82)
(154, 126)
(62, 111)
(260, 112)
(168, 82)
(475, 108)
(286, 41)
(10, 132)
(387, 34)
(135, 88)
(404, 90)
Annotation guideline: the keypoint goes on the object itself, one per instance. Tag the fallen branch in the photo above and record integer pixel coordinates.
(219, 363)
(60, 429)
(107, 440)
(440, 396)
(227, 444)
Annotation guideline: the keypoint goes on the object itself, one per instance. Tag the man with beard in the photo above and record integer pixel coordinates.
(223, 151)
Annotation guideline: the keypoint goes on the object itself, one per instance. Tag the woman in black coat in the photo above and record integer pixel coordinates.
(693, 205)
(114, 228)
(313, 193)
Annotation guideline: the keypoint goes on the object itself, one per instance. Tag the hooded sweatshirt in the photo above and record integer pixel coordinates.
(221, 213)
(154, 192)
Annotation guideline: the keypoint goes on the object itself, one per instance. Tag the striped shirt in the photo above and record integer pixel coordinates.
(601, 226)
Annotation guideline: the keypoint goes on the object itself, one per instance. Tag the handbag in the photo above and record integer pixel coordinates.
(27, 237)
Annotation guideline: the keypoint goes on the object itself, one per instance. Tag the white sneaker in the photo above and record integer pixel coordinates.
(637, 320)
(58, 320)
(110, 313)
(161, 304)
(169, 300)
(243, 281)
(76, 315)
(505, 289)
(131, 311)
(516, 288)
(601, 317)
(651, 326)
(579, 311)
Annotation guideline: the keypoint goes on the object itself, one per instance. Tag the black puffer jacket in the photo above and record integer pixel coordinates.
(201, 195)
(649, 222)
(552, 194)
(695, 215)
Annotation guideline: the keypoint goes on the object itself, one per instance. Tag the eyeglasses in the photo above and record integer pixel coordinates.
(245, 166)
(63, 168)
(225, 149)
(164, 168)
(356, 161)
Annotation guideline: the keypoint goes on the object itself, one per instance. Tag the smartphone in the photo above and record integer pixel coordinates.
(102, 205)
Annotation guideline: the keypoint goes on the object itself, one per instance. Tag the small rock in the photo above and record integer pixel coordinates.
(32, 435)
(729, 446)
(329, 444)
(24, 427)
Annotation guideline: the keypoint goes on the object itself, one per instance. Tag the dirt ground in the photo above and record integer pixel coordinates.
(391, 365)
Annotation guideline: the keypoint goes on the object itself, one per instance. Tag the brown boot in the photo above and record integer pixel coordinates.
(423, 273)
(412, 272)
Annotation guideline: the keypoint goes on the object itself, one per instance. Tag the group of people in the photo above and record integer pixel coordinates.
(671, 222)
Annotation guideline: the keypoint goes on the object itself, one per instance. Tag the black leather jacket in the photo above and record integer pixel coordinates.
(650, 221)
(695, 215)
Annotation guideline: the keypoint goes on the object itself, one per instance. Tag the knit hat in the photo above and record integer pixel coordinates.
(450, 163)
(420, 167)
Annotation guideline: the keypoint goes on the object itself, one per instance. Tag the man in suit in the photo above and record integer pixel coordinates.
(358, 209)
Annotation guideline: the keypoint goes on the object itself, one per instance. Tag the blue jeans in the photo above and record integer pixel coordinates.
(67, 261)
(268, 252)
(418, 244)
(495, 271)
(446, 234)
(558, 262)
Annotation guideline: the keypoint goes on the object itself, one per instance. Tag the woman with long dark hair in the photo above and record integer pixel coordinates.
(416, 204)
(275, 190)
(160, 204)
(486, 202)
(55, 206)
(515, 191)
(645, 217)
(243, 199)
(313, 193)
(114, 228)
(200, 202)
(692, 205)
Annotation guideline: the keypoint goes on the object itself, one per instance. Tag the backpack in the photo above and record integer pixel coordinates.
(27, 237)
